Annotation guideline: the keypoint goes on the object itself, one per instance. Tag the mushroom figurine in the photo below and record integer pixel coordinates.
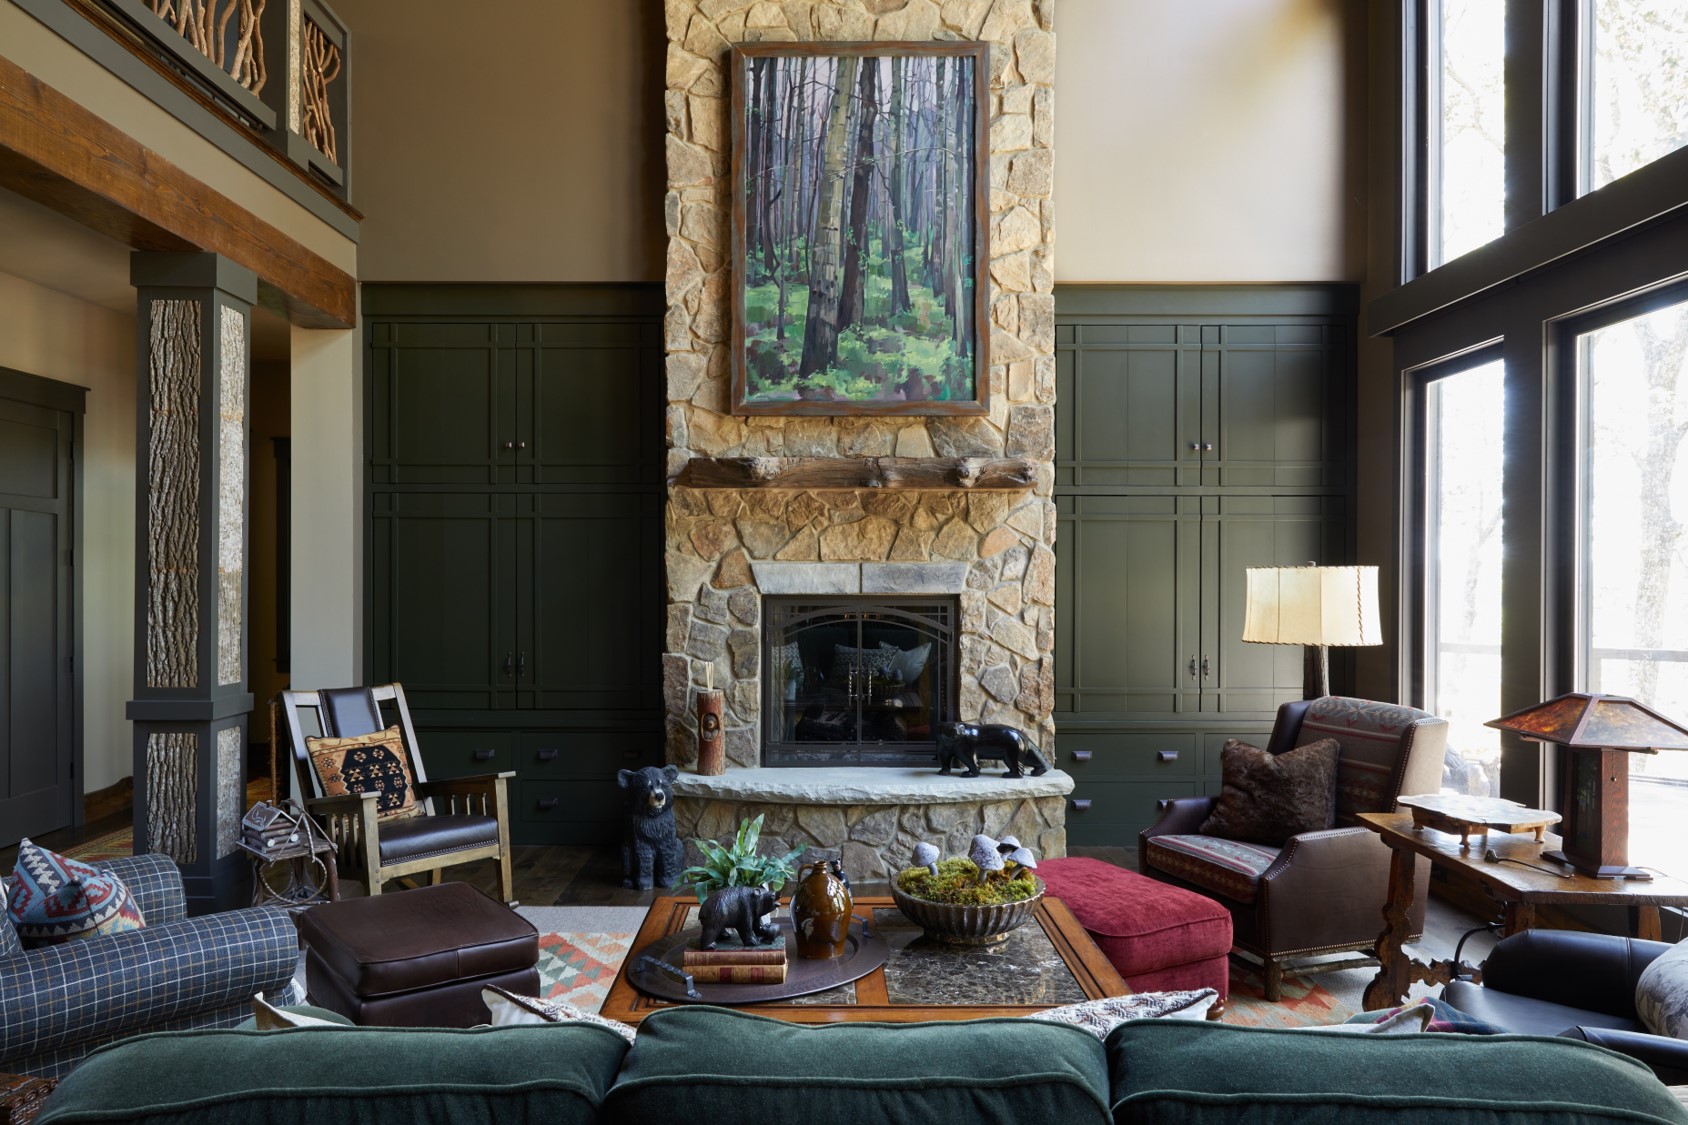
(925, 855)
(1023, 857)
(986, 857)
(1007, 844)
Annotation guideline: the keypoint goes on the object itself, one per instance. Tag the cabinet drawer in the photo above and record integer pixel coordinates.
(592, 754)
(1115, 756)
(463, 753)
(1118, 810)
(566, 812)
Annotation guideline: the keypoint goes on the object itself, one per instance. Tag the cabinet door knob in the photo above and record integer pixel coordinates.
(546, 804)
(509, 664)
(1205, 670)
(485, 754)
(1080, 804)
(509, 445)
(1166, 755)
(1192, 667)
(1081, 755)
(1195, 447)
(1207, 447)
(548, 755)
(523, 445)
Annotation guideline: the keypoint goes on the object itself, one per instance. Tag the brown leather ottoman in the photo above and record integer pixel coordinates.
(417, 958)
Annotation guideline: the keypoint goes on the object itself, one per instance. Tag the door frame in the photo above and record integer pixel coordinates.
(51, 394)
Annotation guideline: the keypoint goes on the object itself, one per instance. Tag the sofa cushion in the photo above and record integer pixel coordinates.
(1267, 798)
(55, 899)
(1207, 1074)
(708, 1064)
(557, 1074)
(402, 840)
(1229, 867)
(1142, 925)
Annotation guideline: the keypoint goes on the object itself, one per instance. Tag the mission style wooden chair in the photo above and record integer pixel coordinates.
(462, 819)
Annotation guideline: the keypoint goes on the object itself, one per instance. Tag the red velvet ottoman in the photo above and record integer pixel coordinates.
(1161, 938)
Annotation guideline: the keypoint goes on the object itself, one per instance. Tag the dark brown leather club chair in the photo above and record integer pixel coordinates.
(1322, 892)
(465, 818)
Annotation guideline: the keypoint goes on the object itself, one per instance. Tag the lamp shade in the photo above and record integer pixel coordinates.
(1312, 605)
(1595, 722)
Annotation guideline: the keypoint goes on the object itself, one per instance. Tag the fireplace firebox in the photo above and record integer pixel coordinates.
(856, 680)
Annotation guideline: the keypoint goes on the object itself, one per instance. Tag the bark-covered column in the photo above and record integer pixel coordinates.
(190, 703)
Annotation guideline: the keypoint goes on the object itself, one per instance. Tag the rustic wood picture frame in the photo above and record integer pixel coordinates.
(921, 349)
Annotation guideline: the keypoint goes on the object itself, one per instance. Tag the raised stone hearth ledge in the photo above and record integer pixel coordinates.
(977, 474)
(853, 785)
(872, 818)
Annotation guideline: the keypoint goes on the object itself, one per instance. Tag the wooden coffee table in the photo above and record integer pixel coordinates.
(1047, 962)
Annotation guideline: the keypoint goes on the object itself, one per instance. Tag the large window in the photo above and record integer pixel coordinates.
(1633, 535)
(1462, 590)
(1637, 86)
(1468, 113)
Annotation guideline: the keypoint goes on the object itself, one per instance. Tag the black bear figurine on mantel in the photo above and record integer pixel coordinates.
(963, 744)
(650, 848)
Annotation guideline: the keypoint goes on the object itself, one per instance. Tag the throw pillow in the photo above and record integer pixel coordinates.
(909, 661)
(509, 1010)
(1099, 1017)
(1267, 798)
(1444, 1017)
(368, 763)
(1410, 1020)
(267, 1017)
(1661, 993)
(55, 899)
(9, 943)
(869, 660)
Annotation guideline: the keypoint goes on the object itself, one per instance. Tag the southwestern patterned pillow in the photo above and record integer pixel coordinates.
(1661, 993)
(9, 943)
(368, 763)
(55, 899)
(1099, 1017)
(507, 1009)
(1267, 798)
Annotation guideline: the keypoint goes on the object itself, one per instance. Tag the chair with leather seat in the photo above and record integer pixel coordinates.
(1321, 892)
(464, 819)
(1579, 985)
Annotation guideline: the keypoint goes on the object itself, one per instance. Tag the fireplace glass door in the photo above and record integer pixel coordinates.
(856, 681)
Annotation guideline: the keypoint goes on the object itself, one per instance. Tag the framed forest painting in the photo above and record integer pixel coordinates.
(860, 180)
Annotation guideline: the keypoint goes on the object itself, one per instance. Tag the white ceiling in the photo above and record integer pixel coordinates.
(45, 248)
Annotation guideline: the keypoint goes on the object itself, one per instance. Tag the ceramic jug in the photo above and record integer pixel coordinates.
(820, 910)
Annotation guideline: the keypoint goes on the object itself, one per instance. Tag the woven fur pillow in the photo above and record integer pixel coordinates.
(1267, 798)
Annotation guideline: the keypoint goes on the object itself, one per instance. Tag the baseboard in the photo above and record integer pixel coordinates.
(110, 801)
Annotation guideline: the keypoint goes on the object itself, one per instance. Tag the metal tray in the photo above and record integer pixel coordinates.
(864, 952)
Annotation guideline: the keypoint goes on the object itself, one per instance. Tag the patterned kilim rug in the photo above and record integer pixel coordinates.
(109, 846)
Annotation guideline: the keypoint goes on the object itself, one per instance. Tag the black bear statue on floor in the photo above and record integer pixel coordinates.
(963, 744)
(737, 908)
(650, 849)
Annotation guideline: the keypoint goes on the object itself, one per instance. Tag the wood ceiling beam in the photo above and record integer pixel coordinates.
(56, 152)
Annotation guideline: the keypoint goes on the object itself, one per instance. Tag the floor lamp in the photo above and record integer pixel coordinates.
(1315, 606)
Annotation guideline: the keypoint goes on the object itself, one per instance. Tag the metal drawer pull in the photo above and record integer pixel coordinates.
(1081, 755)
(485, 754)
(548, 755)
(1166, 755)
(1080, 804)
(1192, 667)
(546, 804)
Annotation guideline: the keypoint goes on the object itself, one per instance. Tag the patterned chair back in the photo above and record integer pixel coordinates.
(1387, 751)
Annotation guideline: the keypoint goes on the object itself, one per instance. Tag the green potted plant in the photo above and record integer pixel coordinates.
(740, 864)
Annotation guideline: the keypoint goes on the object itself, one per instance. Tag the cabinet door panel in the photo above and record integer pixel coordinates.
(441, 403)
(441, 581)
(593, 417)
(1131, 399)
(1274, 408)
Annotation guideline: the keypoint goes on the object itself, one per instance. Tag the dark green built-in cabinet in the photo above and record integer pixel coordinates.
(1199, 431)
(515, 508)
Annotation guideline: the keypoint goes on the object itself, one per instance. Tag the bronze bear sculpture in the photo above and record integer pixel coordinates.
(651, 852)
(737, 908)
(964, 744)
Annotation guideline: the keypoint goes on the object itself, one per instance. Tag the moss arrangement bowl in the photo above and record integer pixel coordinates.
(967, 925)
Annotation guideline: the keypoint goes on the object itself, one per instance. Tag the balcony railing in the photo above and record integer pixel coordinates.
(276, 67)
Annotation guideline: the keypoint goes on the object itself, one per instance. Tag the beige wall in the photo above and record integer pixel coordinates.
(1208, 142)
(46, 333)
(524, 145)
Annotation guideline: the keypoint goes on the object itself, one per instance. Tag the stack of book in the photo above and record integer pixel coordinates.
(732, 962)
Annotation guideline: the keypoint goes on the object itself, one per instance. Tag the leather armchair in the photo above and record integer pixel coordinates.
(1322, 892)
(1560, 982)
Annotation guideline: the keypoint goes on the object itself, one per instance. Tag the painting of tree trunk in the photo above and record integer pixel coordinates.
(859, 233)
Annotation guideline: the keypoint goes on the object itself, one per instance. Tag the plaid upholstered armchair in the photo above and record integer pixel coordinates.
(59, 1002)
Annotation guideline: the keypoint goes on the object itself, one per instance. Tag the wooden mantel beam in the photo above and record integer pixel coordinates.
(972, 474)
(56, 152)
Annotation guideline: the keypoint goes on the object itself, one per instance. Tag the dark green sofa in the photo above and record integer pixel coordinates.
(714, 1066)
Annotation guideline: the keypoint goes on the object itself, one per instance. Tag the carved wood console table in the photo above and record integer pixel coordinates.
(1519, 888)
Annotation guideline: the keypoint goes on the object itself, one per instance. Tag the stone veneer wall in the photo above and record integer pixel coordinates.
(713, 536)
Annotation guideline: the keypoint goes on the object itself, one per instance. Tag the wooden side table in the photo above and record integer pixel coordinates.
(21, 1098)
(1519, 878)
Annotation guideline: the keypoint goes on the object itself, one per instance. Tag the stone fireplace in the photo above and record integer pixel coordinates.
(966, 534)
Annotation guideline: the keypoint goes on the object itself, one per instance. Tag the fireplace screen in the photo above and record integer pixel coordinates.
(856, 681)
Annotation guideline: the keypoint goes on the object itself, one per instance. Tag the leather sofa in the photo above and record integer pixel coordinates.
(1560, 982)
(696, 1063)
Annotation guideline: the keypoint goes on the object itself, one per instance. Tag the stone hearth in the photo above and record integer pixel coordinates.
(872, 818)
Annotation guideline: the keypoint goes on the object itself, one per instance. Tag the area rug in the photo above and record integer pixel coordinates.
(111, 845)
(581, 948)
